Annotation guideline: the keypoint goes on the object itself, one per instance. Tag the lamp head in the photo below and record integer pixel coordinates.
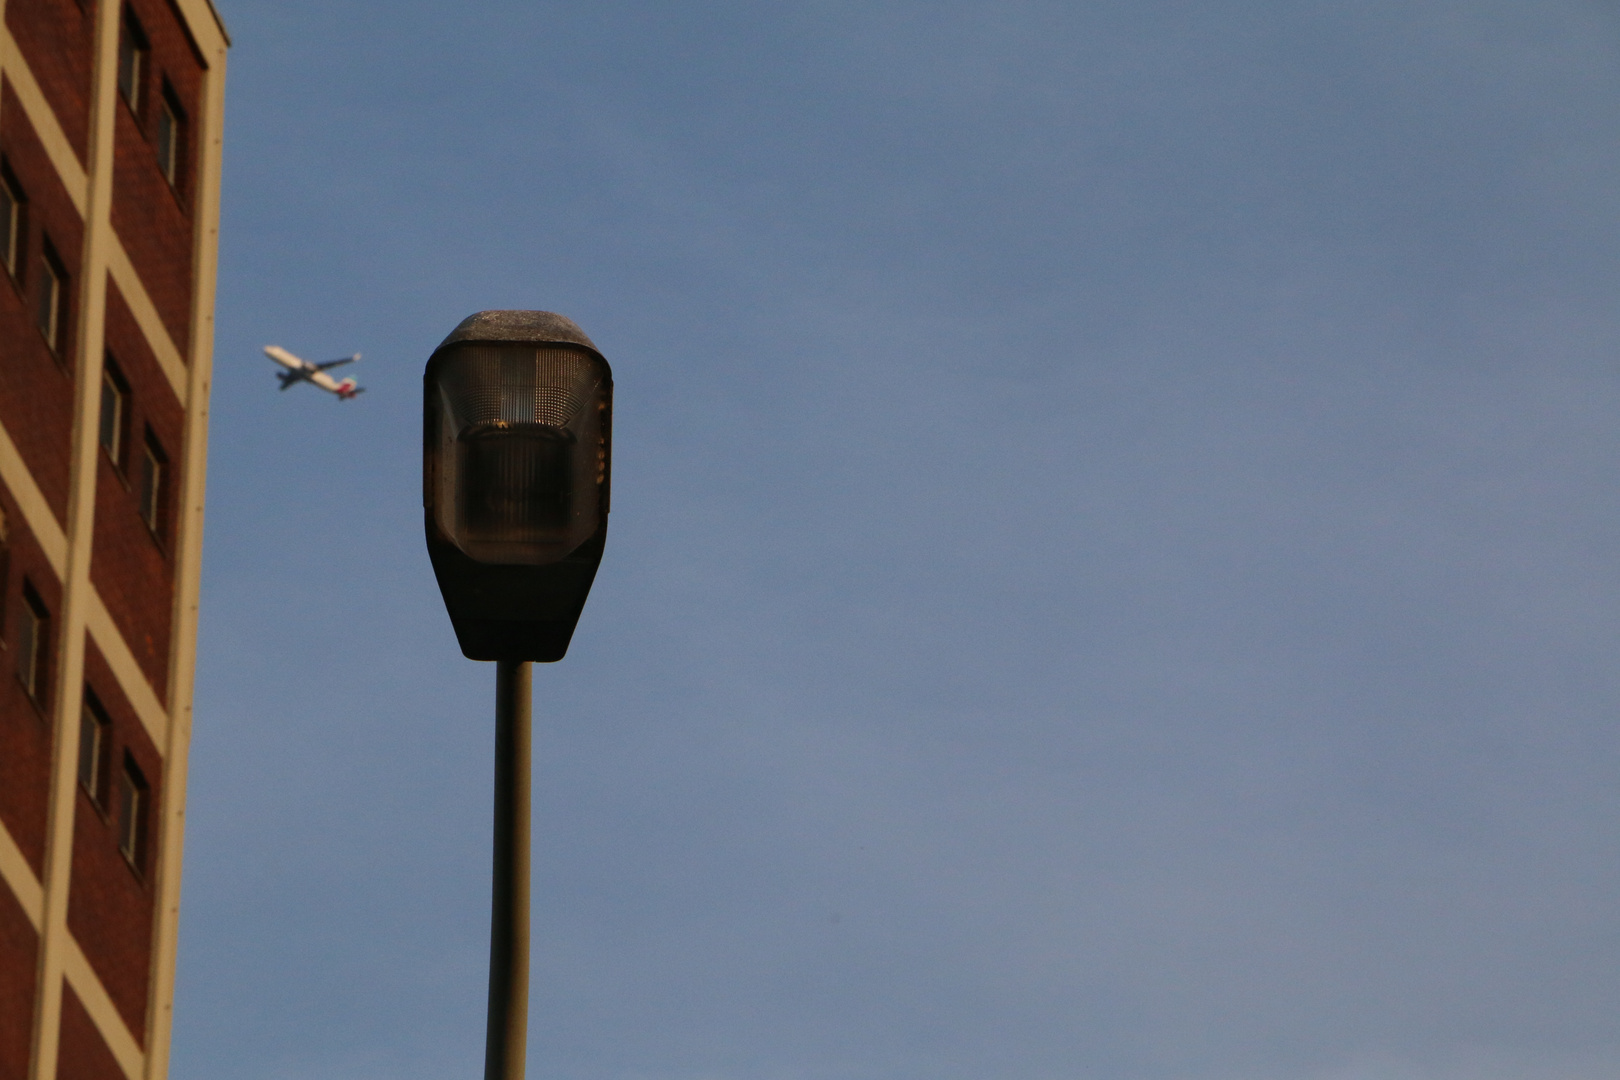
(516, 445)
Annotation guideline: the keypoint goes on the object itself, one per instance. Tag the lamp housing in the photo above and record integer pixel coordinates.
(517, 437)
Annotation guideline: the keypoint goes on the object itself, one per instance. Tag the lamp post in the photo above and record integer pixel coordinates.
(517, 411)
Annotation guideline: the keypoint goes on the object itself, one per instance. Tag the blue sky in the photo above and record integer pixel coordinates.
(1114, 572)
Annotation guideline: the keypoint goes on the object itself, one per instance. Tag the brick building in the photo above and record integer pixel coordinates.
(110, 115)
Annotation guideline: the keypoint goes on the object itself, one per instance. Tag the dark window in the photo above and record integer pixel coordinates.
(32, 640)
(11, 221)
(114, 412)
(49, 296)
(171, 136)
(93, 728)
(5, 564)
(132, 52)
(154, 478)
(132, 799)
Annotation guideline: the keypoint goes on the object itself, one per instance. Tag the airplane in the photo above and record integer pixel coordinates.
(303, 371)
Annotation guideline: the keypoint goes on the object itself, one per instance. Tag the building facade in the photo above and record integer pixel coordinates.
(110, 116)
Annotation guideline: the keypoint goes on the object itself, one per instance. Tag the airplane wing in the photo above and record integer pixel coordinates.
(337, 363)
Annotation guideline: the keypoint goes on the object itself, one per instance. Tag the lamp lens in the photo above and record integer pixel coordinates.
(514, 485)
(520, 432)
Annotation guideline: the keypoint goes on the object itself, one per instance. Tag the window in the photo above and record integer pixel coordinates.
(48, 312)
(11, 204)
(170, 140)
(5, 563)
(153, 466)
(132, 813)
(114, 412)
(93, 728)
(132, 51)
(31, 642)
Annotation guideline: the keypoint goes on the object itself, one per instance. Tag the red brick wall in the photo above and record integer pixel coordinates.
(25, 730)
(19, 957)
(110, 903)
(58, 40)
(132, 569)
(152, 219)
(36, 387)
(82, 1054)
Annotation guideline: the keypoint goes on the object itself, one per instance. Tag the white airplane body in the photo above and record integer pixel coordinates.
(303, 371)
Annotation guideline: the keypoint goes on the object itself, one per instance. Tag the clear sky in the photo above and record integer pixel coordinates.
(1115, 562)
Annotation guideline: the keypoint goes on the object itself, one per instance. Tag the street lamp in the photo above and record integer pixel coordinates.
(517, 412)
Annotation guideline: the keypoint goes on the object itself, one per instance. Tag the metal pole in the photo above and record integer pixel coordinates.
(509, 911)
